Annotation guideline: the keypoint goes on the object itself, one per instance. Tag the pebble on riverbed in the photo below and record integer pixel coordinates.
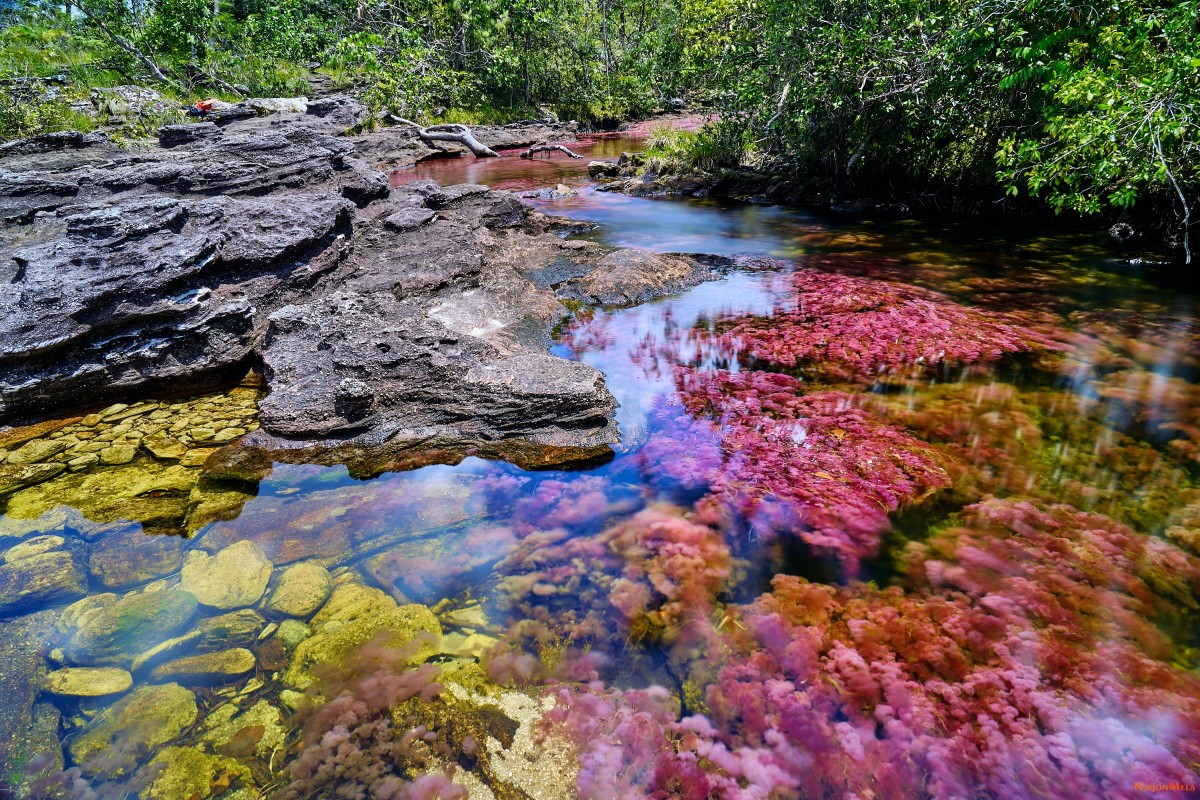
(88, 681)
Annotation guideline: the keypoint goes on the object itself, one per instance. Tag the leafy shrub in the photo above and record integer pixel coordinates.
(22, 117)
(714, 146)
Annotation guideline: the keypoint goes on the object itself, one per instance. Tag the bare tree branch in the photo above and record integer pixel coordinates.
(545, 148)
(1187, 210)
(452, 133)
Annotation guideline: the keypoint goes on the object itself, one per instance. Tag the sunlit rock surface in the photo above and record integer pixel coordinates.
(176, 266)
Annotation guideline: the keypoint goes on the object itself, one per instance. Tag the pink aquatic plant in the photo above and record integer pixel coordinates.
(818, 466)
(851, 329)
(351, 745)
(673, 569)
(1018, 663)
(649, 575)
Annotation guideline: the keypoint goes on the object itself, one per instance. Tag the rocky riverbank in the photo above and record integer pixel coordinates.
(180, 317)
(381, 319)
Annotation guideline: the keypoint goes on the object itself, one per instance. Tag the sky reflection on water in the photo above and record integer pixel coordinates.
(1035, 511)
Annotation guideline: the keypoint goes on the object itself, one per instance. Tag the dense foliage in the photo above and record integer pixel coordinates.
(1087, 108)
(1091, 107)
(422, 58)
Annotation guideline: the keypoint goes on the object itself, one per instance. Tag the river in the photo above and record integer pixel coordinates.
(899, 510)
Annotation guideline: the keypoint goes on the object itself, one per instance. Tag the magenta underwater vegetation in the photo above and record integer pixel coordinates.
(850, 329)
(862, 539)
(1018, 661)
(815, 466)
(1025, 648)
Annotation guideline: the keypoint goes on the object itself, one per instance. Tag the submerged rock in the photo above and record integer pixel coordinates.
(134, 556)
(292, 632)
(18, 476)
(211, 634)
(355, 614)
(142, 491)
(40, 575)
(88, 681)
(206, 667)
(139, 723)
(187, 773)
(27, 730)
(236, 576)
(35, 546)
(302, 589)
(76, 615)
(258, 730)
(115, 634)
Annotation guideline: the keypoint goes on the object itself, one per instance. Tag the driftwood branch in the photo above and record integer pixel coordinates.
(787, 87)
(545, 148)
(452, 133)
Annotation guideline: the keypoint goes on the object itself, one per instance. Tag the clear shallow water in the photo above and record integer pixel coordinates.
(1002, 433)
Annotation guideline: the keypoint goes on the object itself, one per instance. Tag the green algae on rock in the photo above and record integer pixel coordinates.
(186, 773)
(28, 728)
(115, 634)
(259, 729)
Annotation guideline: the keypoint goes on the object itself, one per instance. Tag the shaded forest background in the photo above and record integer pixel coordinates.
(1090, 108)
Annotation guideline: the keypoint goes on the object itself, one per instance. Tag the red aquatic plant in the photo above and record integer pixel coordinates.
(818, 466)
(852, 329)
(1018, 663)
(652, 573)
(352, 747)
(673, 569)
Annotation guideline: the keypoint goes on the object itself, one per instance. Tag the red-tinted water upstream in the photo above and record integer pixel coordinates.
(512, 172)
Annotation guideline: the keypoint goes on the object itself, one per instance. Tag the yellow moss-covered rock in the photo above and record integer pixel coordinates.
(142, 721)
(186, 772)
(355, 614)
(258, 729)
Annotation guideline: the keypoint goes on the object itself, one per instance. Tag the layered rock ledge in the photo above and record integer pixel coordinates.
(381, 319)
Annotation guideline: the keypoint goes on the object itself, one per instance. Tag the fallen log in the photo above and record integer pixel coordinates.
(543, 148)
(451, 133)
